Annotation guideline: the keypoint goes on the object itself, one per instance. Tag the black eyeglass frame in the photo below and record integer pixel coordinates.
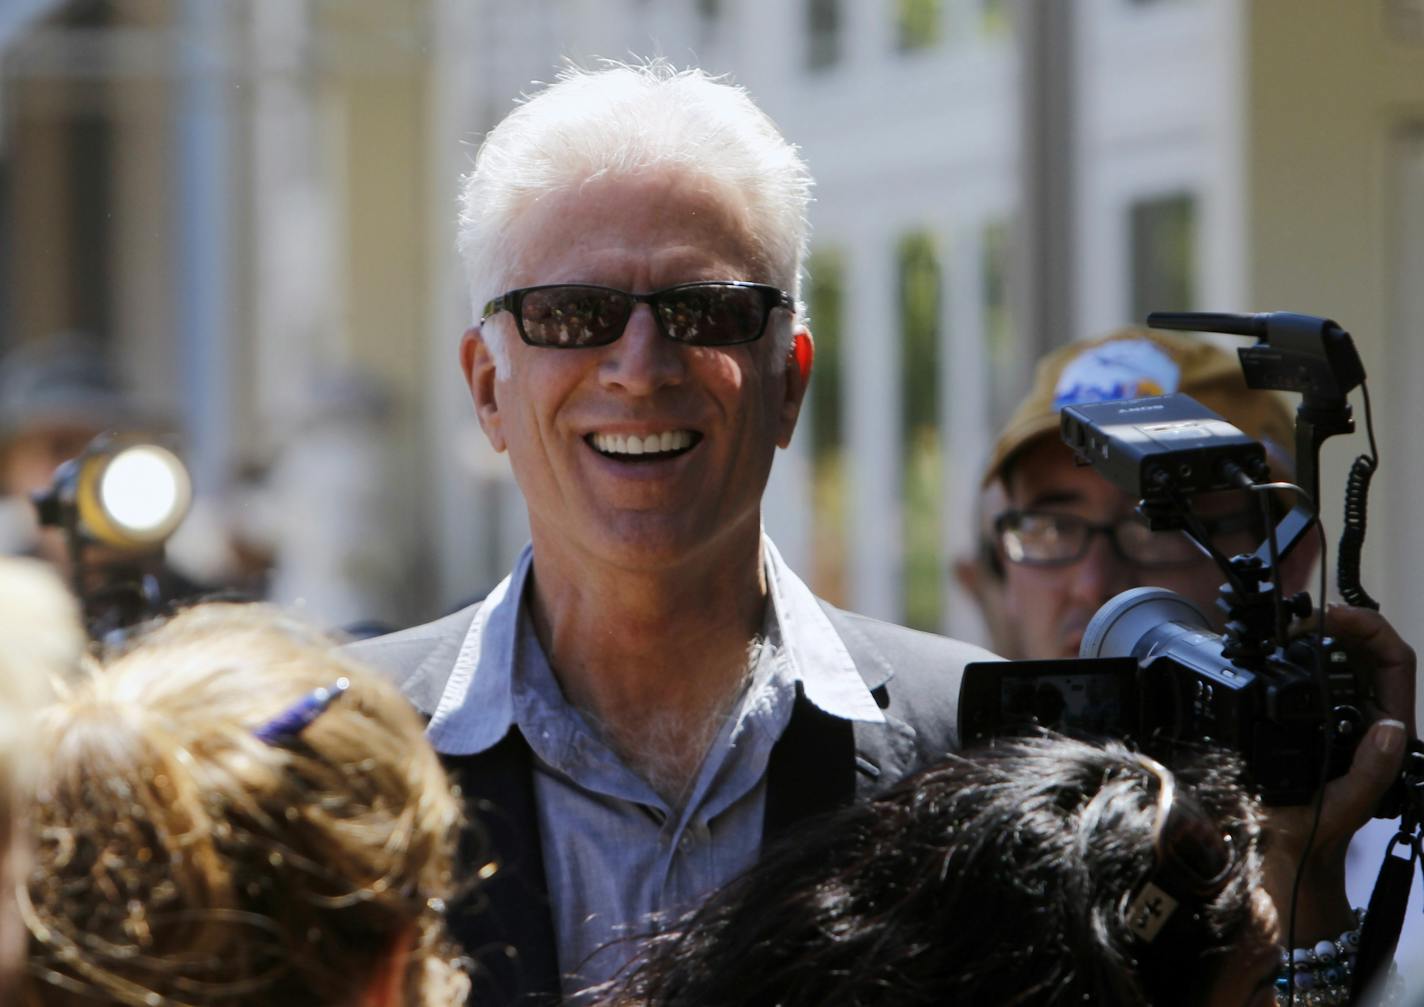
(513, 302)
(1223, 525)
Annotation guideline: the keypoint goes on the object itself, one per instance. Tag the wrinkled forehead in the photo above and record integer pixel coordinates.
(672, 222)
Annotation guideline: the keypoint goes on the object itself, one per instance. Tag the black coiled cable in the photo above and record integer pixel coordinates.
(1352, 536)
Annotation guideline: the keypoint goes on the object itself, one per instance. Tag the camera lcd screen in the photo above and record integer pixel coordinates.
(1092, 702)
(1077, 697)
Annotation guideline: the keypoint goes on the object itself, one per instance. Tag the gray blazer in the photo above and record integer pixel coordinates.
(820, 763)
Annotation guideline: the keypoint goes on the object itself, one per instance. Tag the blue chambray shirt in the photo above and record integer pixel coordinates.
(616, 855)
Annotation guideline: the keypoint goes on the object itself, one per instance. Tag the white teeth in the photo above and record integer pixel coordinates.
(618, 444)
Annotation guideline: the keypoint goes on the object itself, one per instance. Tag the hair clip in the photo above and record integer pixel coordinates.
(288, 725)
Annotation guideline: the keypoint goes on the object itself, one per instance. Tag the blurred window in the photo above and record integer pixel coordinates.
(1000, 335)
(823, 33)
(919, 24)
(709, 10)
(830, 499)
(1163, 254)
(994, 19)
(921, 456)
(7, 335)
(1406, 20)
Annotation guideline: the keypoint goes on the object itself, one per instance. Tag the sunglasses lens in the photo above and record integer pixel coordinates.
(712, 314)
(574, 316)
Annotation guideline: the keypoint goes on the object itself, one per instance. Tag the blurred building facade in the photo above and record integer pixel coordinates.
(246, 197)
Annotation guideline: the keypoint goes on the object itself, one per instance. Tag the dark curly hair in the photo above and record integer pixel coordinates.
(1001, 877)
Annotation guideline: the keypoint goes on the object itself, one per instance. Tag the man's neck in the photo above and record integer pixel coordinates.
(655, 658)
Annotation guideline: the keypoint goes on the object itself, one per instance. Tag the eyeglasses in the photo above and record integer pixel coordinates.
(1192, 858)
(578, 315)
(1044, 538)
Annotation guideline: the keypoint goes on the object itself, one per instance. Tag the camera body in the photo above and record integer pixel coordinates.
(1152, 669)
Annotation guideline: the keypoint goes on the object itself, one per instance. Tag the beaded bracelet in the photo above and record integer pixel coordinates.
(1320, 975)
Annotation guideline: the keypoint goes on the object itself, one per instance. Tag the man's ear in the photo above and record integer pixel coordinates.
(477, 363)
(797, 377)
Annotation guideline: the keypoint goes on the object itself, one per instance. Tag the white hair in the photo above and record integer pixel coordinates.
(621, 119)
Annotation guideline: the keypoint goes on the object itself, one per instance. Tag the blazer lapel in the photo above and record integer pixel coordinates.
(504, 924)
(883, 753)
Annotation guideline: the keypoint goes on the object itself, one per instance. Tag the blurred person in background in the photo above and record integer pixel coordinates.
(1069, 538)
(652, 692)
(43, 643)
(232, 812)
(57, 395)
(334, 571)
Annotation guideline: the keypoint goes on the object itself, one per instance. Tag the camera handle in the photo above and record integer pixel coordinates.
(1385, 918)
(1315, 358)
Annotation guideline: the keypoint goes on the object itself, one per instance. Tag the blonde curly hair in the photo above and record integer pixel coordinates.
(182, 860)
(43, 641)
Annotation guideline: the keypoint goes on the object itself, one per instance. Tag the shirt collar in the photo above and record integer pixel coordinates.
(476, 709)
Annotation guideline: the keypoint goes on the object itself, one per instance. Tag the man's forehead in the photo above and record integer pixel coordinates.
(678, 222)
(1045, 475)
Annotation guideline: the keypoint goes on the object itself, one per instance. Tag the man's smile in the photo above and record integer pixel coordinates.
(654, 446)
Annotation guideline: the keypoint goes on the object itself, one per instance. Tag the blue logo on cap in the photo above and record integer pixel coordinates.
(1123, 369)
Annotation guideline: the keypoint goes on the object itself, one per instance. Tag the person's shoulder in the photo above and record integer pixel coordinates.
(899, 651)
(915, 678)
(419, 659)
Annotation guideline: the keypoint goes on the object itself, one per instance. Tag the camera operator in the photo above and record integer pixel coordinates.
(1068, 542)
(57, 395)
(1068, 538)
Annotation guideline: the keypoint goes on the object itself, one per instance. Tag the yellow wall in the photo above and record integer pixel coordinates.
(1332, 84)
(1327, 87)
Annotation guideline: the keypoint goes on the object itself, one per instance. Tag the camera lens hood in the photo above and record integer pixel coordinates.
(1119, 626)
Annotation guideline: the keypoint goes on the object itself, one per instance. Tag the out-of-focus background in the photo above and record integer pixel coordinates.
(248, 205)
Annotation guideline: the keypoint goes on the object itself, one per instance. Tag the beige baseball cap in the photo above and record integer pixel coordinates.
(1136, 362)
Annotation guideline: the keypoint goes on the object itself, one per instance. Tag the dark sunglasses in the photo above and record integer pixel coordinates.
(1192, 859)
(577, 315)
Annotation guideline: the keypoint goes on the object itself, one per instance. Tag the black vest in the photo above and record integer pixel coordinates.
(505, 926)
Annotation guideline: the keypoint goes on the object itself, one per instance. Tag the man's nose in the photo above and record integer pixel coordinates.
(642, 360)
(1102, 573)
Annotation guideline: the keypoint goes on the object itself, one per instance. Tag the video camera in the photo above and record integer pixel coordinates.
(1282, 695)
(117, 503)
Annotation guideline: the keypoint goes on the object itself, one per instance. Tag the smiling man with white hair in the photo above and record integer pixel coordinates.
(651, 692)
